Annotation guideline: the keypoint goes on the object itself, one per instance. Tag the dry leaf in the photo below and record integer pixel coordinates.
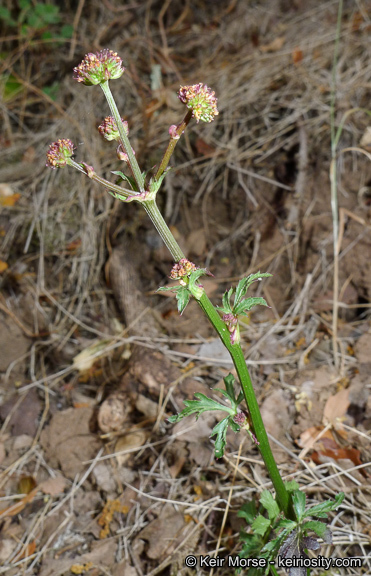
(26, 552)
(3, 266)
(297, 56)
(53, 486)
(9, 201)
(273, 46)
(336, 407)
(16, 508)
(132, 441)
(366, 138)
(113, 413)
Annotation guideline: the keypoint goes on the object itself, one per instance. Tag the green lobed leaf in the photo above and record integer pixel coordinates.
(319, 528)
(248, 511)
(321, 510)
(227, 308)
(291, 485)
(154, 184)
(245, 283)
(269, 503)
(220, 430)
(247, 304)
(261, 525)
(298, 500)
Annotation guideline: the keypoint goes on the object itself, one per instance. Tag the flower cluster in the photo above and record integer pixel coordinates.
(231, 322)
(59, 152)
(108, 129)
(182, 269)
(98, 68)
(201, 100)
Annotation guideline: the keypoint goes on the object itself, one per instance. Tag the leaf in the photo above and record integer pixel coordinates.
(291, 486)
(3, 266)
(248, 511)
(202, 404)
(195, 289)
(227, 308)
(154, 185)
(220, 430)
(318, 527)
(245, 283)
(247, 304)
(183, 296)
(269, 503)
(131, 181)
(261, 525)
(229, 382)
(298, 500)
(321, 510)
(9, 201)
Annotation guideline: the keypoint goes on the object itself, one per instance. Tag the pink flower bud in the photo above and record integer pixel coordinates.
(201, 100)
(59, 152)
(98, 68)
(173, 132)
(108, 129)
(182, 269)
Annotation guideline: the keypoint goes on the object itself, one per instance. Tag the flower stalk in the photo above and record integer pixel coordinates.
(202, 105)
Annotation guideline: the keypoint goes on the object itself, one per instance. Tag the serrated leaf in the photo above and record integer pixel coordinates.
(298, 500)
(315, 526)
(183, 296)
(174, 288)
(227, 308)
(291, 486)
(248, 511)
(261, 525)
(321, 510)
(247, 304)
(287, 524)
(245, 283)
(220, 430)
(266, 499)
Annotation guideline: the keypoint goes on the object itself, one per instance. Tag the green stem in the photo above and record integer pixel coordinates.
(118, 190)
(173, 142)
(162, 228)
(252, 405)
(124, 140)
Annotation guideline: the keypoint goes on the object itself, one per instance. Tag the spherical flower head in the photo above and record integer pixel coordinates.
(59, 152)
(182, 269)
(201, 100)
(108, 129)
(98, 68)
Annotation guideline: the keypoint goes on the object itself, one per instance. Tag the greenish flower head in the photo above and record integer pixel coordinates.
(59, 152)
(98, 68)
(201, 100)
(182, 269)
(108, 129)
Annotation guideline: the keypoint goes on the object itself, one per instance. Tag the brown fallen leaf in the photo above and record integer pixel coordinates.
(53, 486)
(273, 46)
(16, 508)
(9, 201)
(336, 407)
(3, 266)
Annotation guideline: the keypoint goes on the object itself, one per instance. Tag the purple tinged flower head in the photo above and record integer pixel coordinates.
(201, 100)
(108, 129)
(240, 418)
(182, 269)
(98, 68)
(231, 322)
(59, 152)
(173, 132)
